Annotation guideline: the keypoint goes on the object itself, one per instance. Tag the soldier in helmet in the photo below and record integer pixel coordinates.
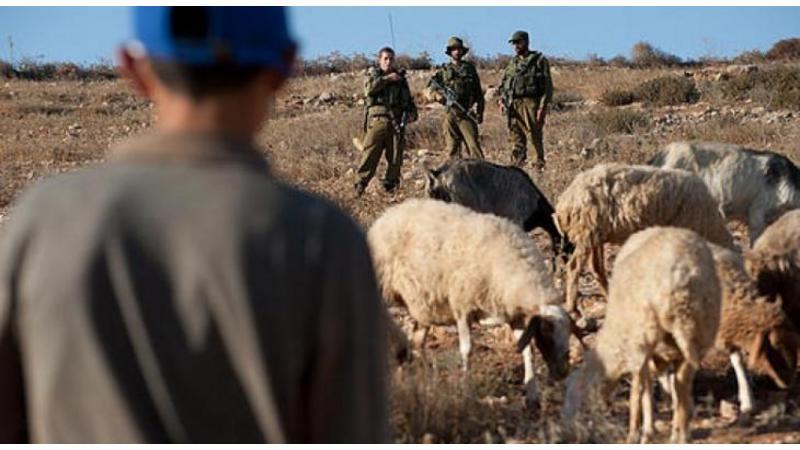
(526, 91)
(389, 107)
(460, 79)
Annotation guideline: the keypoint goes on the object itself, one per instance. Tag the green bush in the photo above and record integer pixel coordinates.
(667, 90)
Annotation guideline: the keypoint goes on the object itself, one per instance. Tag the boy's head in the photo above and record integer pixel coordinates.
(198, 55)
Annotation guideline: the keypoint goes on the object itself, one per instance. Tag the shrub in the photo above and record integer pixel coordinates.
(645, 55)
(610, 121)
(617, 97)
(785, 49)
(6, 70)
(776, 88)
(667, 90)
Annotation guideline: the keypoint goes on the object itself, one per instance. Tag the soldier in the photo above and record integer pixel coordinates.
(179, 292)
(389, 108)
(526, 91)
(461, 79)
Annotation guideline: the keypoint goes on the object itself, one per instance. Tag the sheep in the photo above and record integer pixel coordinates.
(751, 322)
(753, 186)
(506, 191)
(610, 202)
(448, 264)
(774, 264)
(663, 311)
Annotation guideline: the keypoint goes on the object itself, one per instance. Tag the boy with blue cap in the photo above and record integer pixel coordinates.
(178, 293)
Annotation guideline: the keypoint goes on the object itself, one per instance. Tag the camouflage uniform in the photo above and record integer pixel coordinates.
(386, 103)
(527, 82)
(463, 80)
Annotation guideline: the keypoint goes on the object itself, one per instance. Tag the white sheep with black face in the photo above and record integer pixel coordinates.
(450, 265)
(753, 186)
(663, 312)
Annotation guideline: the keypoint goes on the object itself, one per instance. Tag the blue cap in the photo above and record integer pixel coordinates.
(207, 35)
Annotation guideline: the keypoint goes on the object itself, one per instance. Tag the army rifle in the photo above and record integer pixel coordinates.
(451, 100)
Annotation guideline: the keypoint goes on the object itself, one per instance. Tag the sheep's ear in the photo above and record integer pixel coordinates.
(557, 223)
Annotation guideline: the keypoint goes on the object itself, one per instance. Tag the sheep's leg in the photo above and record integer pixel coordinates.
(635, 405)
(647, 405)
(527, 358)
(419, 336)
(464, 343)
(574, 269)
(599, 268)
(683, 412)
(745, 394)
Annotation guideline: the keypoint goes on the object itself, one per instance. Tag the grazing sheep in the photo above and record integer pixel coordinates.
(610, 202)
(774, 264)
(663, 311)
(506, 191)
(448, 264)
(752, 323)
(750, 185)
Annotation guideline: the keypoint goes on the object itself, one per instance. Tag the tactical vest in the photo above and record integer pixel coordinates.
(526, 78)
(392, 96)
(462, 81)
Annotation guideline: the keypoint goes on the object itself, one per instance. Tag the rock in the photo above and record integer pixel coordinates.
(361, 102)
(428, 438)
(326, 97)
(758, 110)
(586, 153)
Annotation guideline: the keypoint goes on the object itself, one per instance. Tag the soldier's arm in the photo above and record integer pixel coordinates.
(437, 77)
(13, 418)
(548, 84)
(348, 400)
(375, 82)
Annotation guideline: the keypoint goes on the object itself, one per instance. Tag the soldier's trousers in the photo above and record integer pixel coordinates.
(381, 137)
(458, 129)
(524, 130)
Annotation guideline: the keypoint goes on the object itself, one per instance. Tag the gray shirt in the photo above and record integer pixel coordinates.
(179, 294)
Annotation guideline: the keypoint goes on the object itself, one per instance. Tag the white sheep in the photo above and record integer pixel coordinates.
(610, 202)
(774, 264)
(663, 311)
(448, 264)
(753, 186)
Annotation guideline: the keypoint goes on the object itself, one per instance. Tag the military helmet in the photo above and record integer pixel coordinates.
(455, 42)
(519, 36)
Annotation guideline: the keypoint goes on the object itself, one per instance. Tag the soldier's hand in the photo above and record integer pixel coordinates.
(502, 106)
(394, 76)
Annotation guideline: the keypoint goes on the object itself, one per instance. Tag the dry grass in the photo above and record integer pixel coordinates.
(51, 127)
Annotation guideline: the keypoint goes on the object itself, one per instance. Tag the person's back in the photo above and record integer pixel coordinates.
(179, 294)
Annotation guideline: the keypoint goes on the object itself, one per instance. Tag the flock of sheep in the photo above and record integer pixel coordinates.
(679, 286)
